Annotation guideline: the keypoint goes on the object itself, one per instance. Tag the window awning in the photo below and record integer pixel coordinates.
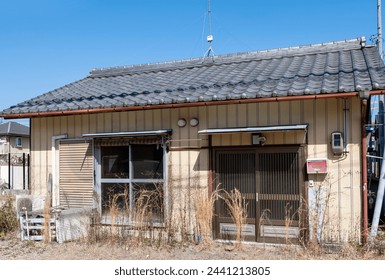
(256, 129)
(129, 134)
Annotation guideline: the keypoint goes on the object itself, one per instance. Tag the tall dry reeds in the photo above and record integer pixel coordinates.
(147, 212)
(237, 208)
(204, 212)
(118, 212)
(47, 219)
(131, 223)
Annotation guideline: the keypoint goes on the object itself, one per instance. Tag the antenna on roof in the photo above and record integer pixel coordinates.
(210, 38)
(379, 27)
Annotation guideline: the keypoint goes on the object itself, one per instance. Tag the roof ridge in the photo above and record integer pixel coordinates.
(221, 59)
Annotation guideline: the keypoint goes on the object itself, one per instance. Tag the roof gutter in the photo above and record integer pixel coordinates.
(182, 105)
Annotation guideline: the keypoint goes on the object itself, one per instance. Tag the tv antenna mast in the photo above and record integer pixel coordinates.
(379, 27)
(210, 38)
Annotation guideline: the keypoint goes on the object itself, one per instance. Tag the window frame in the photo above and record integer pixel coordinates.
(131, 181)
(18, 142)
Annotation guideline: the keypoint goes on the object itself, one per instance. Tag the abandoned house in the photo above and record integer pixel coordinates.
(284, 126)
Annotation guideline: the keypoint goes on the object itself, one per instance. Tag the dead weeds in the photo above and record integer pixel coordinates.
(11, 248)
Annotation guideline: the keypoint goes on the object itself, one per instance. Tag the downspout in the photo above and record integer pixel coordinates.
(53, 162)
(364, 105)
(346, 125)
(211, 189)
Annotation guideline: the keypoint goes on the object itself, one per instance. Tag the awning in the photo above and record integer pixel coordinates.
(129, 137)
(129, 134)
(256, 129)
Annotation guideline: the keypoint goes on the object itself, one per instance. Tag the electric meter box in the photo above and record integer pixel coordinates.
(337, 143)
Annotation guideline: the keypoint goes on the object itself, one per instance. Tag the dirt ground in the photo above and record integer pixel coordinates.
(11, 248)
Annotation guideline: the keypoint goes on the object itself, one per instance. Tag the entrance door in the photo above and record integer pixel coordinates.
(270, 181)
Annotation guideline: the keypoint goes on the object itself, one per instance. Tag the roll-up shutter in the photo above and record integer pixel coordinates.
(76, 174)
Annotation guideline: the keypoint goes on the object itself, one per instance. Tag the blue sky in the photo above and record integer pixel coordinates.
(46, 44)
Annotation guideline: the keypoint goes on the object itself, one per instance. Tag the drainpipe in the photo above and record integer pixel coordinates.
(364, 104)
(211, 188)
(53, 159)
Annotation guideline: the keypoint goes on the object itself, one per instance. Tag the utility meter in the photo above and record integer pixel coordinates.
(337, 143)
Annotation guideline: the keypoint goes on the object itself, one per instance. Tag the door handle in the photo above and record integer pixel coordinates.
(256, 197)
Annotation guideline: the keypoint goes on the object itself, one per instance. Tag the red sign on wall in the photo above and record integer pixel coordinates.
(316, 165)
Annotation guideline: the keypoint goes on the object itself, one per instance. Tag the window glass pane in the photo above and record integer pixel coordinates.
(147, 161)
(115, 199)
(148, 203)
(115, 162)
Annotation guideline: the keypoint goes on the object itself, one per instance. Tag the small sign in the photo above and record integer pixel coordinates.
(316, 166)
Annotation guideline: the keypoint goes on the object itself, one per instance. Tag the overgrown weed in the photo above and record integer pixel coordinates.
(8, 218)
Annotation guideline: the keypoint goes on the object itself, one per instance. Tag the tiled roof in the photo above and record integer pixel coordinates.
(337, 67)
(14, 128)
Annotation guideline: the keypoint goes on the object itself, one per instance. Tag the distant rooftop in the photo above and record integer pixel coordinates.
(13, 129)
(335, 67)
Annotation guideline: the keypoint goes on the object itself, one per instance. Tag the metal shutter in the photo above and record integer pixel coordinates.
(76, 174)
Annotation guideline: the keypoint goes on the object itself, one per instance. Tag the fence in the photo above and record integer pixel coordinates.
(14, 171)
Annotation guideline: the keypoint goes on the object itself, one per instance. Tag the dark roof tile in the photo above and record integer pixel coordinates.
(13, 129)
(324, 68)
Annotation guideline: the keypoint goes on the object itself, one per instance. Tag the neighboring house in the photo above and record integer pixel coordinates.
(14, 154)
(283, 126)
(14, 138)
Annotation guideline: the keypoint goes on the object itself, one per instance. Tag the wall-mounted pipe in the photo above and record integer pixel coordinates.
(364, 105)
(55, 186)
(346, 124)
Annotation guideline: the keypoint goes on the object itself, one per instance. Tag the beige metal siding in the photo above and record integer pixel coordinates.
(188, 157)
(76, 174)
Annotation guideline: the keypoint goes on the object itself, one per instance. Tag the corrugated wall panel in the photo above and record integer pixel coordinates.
(76, 174)
(344, 174)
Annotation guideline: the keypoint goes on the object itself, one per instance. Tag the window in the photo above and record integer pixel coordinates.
(132, 179)
(18, 142)
(115, 162)
(147, 162)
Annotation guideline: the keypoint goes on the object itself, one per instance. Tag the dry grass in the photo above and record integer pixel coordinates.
(128, 224)
(115, 216)
(204, 212)
(147, 212)
(47, 218)
(12, 248)
(8, 220)
(237, 208)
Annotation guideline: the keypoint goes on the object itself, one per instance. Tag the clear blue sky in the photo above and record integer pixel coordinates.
(46, 44)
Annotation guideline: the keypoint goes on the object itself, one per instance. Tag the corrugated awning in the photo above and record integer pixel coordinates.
(256, 129)
(129, 133)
